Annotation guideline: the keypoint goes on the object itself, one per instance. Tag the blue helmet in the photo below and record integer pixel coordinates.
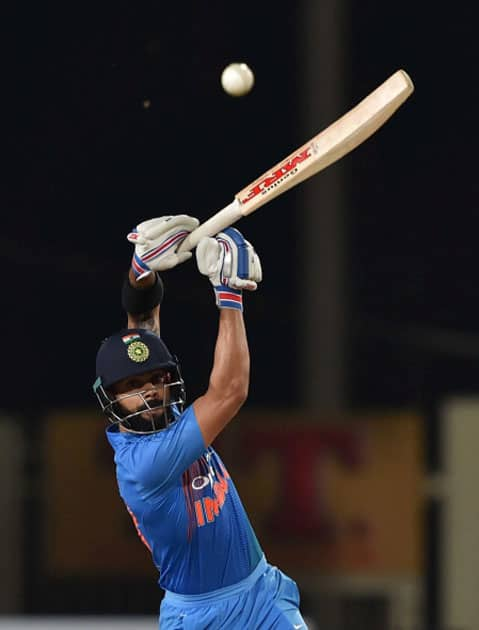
(133, 352)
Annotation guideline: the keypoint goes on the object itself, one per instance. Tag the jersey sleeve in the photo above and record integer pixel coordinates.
(159, 459)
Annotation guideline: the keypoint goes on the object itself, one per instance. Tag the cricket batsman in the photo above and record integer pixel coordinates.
(175, 486)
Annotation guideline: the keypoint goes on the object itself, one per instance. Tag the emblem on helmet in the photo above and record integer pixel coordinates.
(138, 351)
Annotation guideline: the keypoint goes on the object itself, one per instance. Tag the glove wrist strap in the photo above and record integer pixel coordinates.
(139, 267)
(226, 297)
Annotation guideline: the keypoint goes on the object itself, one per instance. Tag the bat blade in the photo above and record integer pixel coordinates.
(327, 147)
(334, 142)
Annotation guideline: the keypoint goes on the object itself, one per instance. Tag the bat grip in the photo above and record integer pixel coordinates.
(219, 221)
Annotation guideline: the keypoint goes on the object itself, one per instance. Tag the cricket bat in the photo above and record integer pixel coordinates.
(327, 147)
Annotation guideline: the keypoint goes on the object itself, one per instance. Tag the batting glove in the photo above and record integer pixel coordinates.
(231, 264)
(156, 243)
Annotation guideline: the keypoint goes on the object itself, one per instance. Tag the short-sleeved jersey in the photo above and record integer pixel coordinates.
(185, 507)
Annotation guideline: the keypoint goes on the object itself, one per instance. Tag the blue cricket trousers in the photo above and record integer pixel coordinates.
(266, 600)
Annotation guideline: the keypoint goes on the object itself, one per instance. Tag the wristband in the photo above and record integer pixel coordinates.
(136, 301)
(226, 297)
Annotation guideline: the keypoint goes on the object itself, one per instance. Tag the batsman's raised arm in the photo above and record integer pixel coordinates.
(231, 265)
(141, 300)
(156, 244)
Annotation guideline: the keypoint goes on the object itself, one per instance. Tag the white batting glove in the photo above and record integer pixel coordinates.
(156, 243)
(231, 264)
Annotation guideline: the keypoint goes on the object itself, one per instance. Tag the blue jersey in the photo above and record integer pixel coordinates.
(185, 507)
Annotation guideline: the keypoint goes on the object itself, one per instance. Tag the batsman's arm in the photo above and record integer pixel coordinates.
(156, 243)
(232, 266)
(141, 300)
(229, 378)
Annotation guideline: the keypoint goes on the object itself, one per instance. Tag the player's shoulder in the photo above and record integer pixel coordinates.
(136, 445)
(157, 460)
(182, 420)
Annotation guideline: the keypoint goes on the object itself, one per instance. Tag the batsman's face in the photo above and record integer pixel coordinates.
(136, 393)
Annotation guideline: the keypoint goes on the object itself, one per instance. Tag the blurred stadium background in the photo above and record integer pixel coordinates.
(356, 453)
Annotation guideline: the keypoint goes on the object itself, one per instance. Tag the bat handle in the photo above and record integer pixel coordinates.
(219, 221)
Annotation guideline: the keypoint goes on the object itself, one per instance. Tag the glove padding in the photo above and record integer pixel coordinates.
(229, 260)
(156, 243)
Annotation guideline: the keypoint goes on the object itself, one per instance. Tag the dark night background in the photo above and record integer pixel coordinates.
(85, 161)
